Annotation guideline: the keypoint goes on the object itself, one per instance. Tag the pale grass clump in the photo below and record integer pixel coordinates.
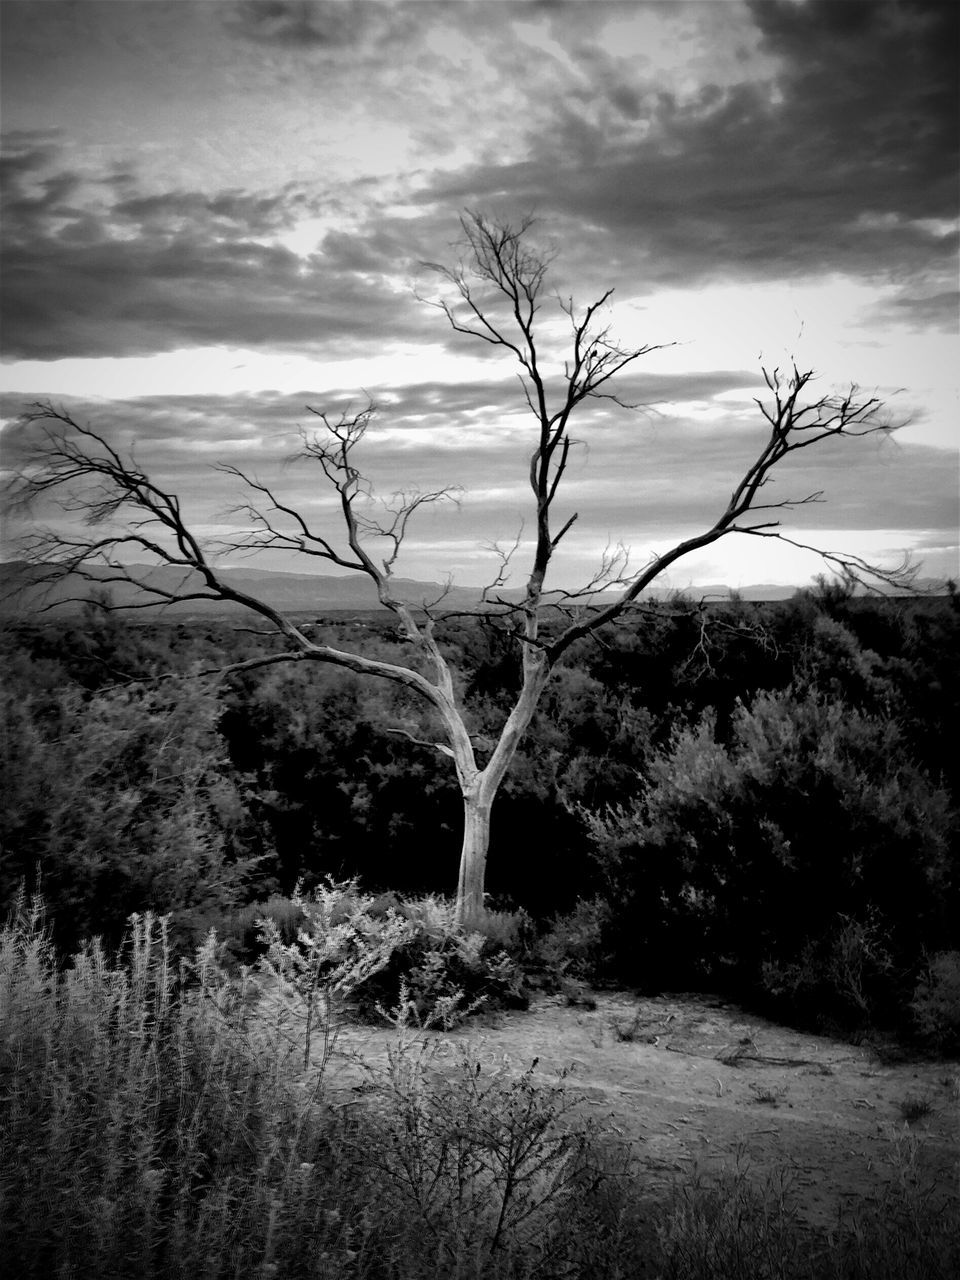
(146, 1130)
(367, 954)
(434, 915)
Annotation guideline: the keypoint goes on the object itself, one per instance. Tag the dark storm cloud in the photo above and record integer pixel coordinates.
(936, 311)
(832, 166)
(296, 22)
(94, 267)
(229, 213)
(320, 25)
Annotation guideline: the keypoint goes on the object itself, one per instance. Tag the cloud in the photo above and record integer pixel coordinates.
(327, 25)
(94, 267)
(834, 162)
(834, 151)
(637, 479)
(939, 312)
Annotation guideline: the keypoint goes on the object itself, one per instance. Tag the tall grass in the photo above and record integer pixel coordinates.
(160, 1119)
(147, 1131)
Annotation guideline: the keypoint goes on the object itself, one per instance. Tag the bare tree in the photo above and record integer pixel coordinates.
(494, 295)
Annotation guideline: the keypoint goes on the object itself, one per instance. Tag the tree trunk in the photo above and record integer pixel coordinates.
(473, 857)
(480, 789)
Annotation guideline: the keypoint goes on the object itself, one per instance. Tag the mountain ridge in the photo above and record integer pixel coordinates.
(23, 592)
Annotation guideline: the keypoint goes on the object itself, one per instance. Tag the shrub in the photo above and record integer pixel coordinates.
(731, 1227)
(571, 948)
(910, 1231)
(122, 802)
(156, 1121)
(836, 978)
(412, 959)
(936, 1003)
(239, 931)
(441, 974)
(799, 835)
(335, 954)
(475, 1162)
(914, 1107)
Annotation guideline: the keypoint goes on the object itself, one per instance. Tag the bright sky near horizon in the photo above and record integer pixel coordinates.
(216, 211)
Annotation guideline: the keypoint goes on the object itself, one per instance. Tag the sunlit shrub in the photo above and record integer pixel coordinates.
(415, 953)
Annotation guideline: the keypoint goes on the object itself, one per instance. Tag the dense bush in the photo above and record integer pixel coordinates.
(936, 1003)
(748, 764)
(571, 945)
(122, 800)
(805, 856)
(333, 791)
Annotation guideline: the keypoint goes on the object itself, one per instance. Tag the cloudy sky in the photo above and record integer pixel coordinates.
(216, 213)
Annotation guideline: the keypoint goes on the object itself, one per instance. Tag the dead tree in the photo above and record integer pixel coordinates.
(494, 296)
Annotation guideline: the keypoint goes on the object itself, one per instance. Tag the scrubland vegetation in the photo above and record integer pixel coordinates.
(759, 802)
(171, 1118)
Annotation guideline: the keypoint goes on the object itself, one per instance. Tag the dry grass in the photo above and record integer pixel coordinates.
(155, 1123)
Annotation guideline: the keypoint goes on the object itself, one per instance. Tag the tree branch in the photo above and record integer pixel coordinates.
(793, 426)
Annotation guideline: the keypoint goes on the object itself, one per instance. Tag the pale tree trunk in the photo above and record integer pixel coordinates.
(481, 790)
(473, 857)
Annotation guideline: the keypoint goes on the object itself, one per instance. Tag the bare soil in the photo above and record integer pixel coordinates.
(690, 1081)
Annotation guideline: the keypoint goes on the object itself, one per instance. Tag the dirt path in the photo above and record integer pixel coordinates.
(689, 1080)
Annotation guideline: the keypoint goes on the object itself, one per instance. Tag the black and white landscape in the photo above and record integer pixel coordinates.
(480, 638)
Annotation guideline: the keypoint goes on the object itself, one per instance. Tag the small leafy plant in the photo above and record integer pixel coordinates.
(766, 1096)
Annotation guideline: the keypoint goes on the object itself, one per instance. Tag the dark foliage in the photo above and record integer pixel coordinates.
(761, 797)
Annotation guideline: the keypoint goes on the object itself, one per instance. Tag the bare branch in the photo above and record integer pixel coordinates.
(420, 742)
(793, 425)
(266, 536)
(401, 506)
(505, 555)
(498, 290)
(851, 568)
(78, 470)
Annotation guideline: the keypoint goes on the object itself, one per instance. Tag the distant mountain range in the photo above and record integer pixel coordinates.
(24, 594)
(23, 591)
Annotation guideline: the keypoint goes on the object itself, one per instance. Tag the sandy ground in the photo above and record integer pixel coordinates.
(689, 1081)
